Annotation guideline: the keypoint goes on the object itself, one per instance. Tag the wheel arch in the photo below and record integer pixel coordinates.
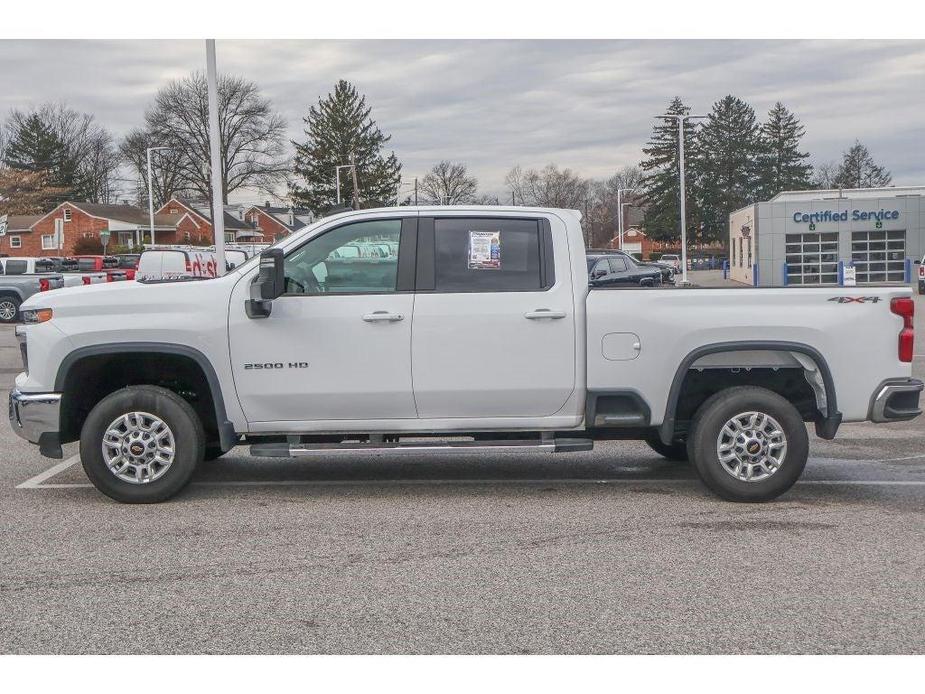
(826, 425)
(225, 428)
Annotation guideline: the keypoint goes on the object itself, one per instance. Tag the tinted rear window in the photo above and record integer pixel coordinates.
(86, 264)
(16, 267)
(486, 255)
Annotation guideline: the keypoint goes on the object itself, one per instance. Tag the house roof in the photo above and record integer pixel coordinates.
(232, 223)
(127, 214)
(18, 223)
(281, 215)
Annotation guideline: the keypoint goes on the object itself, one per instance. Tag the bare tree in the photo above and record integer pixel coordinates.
(253, 135)
(448, 183)
(824, 175)
(167, 179)
(859, 170)
(550, 187)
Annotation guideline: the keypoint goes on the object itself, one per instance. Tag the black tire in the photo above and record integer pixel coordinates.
(712, 416)
(9, 302)
(676, 451)
(175, 412)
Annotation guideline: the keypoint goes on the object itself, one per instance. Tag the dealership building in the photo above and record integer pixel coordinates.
(823, 237)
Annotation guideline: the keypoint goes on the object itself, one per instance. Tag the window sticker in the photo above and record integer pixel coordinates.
(484, 250)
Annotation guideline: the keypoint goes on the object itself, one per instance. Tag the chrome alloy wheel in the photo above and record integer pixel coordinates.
(7, 310)
(751, 446)
(138, 447)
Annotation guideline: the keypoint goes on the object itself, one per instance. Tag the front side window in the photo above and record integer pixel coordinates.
(358, 258)
(487, 255)
(618, 264)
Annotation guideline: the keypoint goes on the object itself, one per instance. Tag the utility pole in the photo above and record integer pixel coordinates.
(683, 192)
(215, 150)
(415, 191)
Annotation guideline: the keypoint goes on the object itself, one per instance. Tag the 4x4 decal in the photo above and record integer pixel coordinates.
(855, 299)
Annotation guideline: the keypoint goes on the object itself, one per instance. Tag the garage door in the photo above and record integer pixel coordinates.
(812, 258)
(879, 256)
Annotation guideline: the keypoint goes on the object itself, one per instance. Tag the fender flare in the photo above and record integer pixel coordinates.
(825, 428)
(226, 432)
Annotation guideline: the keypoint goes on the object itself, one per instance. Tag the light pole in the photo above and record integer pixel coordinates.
(620, 204)
(151, 191)
(215, 158)
(683, 193)
(337, 178)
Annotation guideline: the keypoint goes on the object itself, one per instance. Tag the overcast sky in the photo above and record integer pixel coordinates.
(587, 105)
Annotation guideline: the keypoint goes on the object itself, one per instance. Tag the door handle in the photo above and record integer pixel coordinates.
(377, 316)
(544, 313)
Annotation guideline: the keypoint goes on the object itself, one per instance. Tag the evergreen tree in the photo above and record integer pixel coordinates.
(859, 170)
(339, 131)
(35, 147)
(781, 164)
(660, 181)
(727, 168)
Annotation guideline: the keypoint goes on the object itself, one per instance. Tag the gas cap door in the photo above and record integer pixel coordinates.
(620, 346)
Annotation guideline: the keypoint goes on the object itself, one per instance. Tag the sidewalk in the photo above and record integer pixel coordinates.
(711, 278)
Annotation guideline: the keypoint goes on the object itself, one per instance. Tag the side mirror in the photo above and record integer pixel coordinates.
(269, 284)
(597, 274)
(918, 262)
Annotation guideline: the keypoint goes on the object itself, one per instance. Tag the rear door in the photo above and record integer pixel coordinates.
(494, 325)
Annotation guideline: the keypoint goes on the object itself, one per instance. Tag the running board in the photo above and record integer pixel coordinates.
(329, 450)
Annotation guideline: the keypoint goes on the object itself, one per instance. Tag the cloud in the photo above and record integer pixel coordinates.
(588, 105)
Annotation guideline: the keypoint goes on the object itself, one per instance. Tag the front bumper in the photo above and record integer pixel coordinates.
(35, 417)
(896, 400)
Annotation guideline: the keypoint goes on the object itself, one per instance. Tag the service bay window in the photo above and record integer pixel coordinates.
(879, 256)
(812, 258)
(48, 242)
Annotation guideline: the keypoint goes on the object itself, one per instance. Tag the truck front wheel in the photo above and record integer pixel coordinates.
(748, 444)
(141, 444)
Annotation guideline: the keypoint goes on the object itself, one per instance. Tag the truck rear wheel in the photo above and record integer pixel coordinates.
(141, 444)
(9, 308)
(748, 444)
(676, 450)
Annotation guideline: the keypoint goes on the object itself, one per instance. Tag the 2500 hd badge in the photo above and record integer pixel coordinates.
(276, 365)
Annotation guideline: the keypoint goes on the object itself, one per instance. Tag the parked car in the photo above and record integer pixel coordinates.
(129, 263)
(509, 347)
(168, 263)
(17, 284)
(671, 259)
(618, 269)
(70, 271)
(102, 263)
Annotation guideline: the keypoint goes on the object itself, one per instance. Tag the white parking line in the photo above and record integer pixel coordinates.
(36, 482)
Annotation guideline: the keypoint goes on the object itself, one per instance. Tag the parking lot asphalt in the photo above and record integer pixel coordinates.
(611, 551)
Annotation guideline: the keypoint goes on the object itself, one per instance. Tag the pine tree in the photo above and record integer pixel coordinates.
(35, 148)
(660, 182)
(859, 170)
(339, 131)
(727, 168)
(781, 164)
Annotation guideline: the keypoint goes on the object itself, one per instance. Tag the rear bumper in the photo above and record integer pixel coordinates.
(35, 417)
(896, 400)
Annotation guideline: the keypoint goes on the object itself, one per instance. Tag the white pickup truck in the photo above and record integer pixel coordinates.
(469, 329)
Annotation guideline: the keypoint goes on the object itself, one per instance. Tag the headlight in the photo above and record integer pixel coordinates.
(36, 315)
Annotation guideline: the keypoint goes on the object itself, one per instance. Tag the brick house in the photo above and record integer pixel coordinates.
(56, 232)
(194, 223)
(18, 239)
(276, 222)
(635, 240)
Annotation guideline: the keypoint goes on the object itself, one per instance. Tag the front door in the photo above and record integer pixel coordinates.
(494, 323)
(337, 345)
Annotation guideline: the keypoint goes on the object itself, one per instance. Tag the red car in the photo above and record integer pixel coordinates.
(104, 263)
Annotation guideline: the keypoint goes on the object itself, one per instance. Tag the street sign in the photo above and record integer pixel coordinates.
(104, 239)
(3, 223)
